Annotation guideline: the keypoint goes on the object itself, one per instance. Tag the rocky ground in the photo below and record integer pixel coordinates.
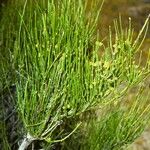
(143, 142)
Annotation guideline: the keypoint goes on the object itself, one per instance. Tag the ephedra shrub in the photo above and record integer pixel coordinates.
(60, 75)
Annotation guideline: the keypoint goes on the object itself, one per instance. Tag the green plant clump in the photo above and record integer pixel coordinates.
(60, 74)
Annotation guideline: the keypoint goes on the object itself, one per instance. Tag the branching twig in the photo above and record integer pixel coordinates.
(26, 142)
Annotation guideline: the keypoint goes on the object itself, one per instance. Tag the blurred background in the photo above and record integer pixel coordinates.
(137, 10)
